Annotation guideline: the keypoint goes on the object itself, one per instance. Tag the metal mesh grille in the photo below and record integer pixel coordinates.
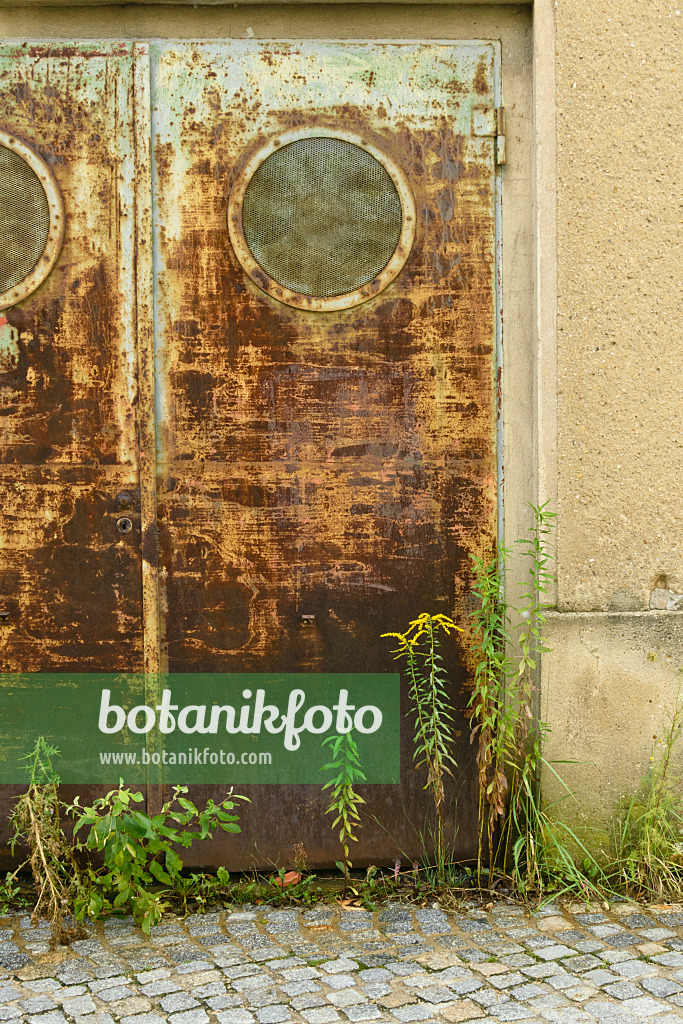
(24, 219)
(322, 216)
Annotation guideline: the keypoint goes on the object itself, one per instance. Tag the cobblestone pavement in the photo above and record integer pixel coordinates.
(564, 965)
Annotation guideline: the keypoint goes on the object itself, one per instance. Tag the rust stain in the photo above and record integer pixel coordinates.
(68, 433)
(317, 463)
(481, 82)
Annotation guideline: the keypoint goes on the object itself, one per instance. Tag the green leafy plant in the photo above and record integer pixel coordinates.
(523, 838)
(9, 892)
(420, 647)
(139, 850)
(36, 824)
(344, 800)
(648, 836)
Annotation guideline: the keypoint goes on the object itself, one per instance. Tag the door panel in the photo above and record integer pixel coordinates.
(335, 464)
(69, 580)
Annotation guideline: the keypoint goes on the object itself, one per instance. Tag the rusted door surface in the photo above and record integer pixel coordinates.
(70, 581)
(340, 464)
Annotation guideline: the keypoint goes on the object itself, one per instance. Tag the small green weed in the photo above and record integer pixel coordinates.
(344, 800)
(648, 836)
(139, 850)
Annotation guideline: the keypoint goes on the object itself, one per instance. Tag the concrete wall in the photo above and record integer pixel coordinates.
(615, 667)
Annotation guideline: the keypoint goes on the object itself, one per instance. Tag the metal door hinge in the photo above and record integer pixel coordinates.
(489, 122)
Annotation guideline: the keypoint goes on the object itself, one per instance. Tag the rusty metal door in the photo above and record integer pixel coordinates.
(70, 552)
(324, 474)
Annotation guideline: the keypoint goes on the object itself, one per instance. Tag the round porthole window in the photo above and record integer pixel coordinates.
(31, 220)
(320, 219)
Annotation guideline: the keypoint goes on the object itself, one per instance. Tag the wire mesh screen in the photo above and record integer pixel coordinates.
(24, 219)
(322, 216)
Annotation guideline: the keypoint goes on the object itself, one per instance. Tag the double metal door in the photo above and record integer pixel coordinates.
(298, 477)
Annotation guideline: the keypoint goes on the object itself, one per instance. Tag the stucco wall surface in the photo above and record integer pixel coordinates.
(609, 685)
(620, 334)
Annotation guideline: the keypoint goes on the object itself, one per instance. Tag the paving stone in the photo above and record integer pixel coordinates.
(178, 1001)
(42, 985)
(112, 993)
(189, 1017)
(299, 988)
(359, 1013)
(644, 1006)
(223, 1002)
(347, 997)
(600, 976)
(554, 952)
(550, 1001)
(339, 966)
(561, 981)
(577, 993)
(615, 956)
(464, 986)
(375, 974)
(634, 969)
(567, 1015)
(273, 1014)
(527, 991)
(655, 934)
(463, 1010)
(436, 994)
(543, 970)
(56, 1017)
(320, 1015)
(339, 981)
(37, 1004)
(79, 1006)
(235, 1016)
(487, 997)
(622, 990)
(375, 989)
(509, 1011)
(669, 959)
(263, 997)
(661, 987)
(581, 963)
(160, 988)
(408, 1014)
(519, 960)
(307, 1002)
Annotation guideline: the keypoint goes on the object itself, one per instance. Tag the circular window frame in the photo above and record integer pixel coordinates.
(267, 283)
(55, 236)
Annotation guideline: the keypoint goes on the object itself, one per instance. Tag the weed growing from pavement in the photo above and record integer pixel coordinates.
(36, 825)
(140, 851)
(344, 798)
(648, 832)
(428, 686)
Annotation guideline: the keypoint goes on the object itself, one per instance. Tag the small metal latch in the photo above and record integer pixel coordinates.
(489, 122)
(308, 620)
(4, 614)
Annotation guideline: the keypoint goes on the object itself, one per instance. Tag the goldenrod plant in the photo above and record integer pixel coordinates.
(429, 687)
